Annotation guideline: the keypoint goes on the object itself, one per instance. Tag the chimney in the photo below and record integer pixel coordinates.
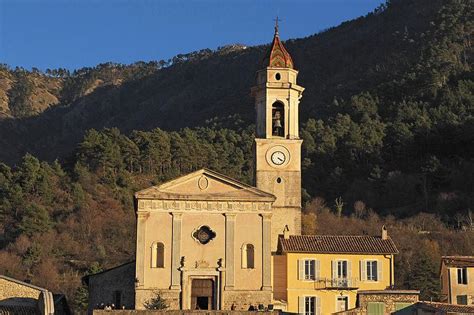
(384, 233)
(286, 232)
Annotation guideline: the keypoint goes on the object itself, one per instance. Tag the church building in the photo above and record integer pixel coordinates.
(204, 240)
(209, 242)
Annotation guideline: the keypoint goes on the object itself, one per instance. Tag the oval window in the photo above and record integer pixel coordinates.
(277, 76)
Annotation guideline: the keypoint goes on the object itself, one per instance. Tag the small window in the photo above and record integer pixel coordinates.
(462, 275)
(278, 180)
(248, 256)
(309, 305)
(372, 270)
(309, 269)
(461, 299)
(342, 303)
(158, 255)
(341, 269)
(277, 76)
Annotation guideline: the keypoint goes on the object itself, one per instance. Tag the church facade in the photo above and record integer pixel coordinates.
(206, 241)
(203, 242)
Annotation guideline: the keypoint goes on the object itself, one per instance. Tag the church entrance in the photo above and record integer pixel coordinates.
(202, 294)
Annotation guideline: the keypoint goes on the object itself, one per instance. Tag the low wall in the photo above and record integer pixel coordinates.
(178, 312)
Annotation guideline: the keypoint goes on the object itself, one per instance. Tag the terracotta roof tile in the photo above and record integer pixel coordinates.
(277, 56)
(458, 261)
(463, 309)
(340, 244)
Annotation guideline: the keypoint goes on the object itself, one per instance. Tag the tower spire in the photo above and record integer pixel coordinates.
(277, 56)
(276, 25)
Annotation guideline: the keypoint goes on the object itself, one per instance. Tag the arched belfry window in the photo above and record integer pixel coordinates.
(278, 119)
(158, 255)
(248, 256)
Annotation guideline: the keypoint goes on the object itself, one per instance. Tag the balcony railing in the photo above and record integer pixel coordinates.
(336, 283)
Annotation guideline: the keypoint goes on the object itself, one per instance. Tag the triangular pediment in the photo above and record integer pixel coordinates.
(205, 185)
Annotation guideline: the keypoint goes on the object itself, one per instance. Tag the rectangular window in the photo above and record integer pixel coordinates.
(341, 269)
(342, 303)
(462, 275)
(309, 305)
(309, 269)
(461, 299)
(372, 270)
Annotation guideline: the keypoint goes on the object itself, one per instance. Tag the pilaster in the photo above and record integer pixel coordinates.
(176, 253)
(140, 255)
(229, 251)
(266, 252)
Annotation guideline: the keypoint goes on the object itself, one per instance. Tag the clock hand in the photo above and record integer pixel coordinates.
(280, 159)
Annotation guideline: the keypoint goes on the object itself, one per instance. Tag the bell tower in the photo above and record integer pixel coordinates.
(277, 143)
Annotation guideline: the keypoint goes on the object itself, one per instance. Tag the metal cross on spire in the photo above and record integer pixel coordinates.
(276, 24)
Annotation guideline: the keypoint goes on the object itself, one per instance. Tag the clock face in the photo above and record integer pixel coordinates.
(278, 158)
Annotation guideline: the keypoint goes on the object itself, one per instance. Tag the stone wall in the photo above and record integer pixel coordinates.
(160, 312)
(389, 298)
(243, 299)
(11, 291)
(17, 297)
(103, 285)
(171, 297)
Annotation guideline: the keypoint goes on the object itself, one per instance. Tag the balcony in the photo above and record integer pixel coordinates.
(336, 283)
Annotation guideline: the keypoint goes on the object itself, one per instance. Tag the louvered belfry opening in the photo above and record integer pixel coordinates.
(202, 294)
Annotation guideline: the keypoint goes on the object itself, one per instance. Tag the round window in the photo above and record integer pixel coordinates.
(277, 76)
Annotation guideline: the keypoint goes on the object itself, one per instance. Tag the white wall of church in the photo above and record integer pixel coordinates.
(159, 226)
(248, 230)
(193, 250)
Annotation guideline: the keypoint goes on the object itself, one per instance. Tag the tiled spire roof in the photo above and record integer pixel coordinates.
(277, 56)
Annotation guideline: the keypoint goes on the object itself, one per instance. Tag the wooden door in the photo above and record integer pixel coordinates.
(202, 294)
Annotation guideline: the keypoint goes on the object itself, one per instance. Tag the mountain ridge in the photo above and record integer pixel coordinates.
(356, 56)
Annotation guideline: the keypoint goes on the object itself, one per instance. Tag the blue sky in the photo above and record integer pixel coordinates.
(78, 33)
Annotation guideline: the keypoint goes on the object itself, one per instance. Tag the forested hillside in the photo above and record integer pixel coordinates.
(387, 123)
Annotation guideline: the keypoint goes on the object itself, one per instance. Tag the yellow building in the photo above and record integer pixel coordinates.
(321, 274)
(457, 280)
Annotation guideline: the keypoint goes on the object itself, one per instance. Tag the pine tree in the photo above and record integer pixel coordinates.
(156, 303)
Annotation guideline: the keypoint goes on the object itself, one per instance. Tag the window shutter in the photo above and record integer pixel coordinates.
(363, 270)
(317, 269)
(349, 269)
(301, 305)
(379, 270)
(334, 269)
(300, 269)
(317, 307)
